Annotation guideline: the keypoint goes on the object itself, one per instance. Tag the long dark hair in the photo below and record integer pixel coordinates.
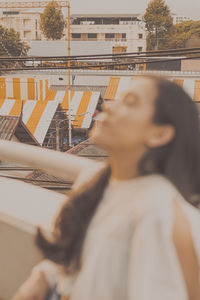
(179, 161)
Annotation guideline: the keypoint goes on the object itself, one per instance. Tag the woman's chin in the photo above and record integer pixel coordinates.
(97, 138)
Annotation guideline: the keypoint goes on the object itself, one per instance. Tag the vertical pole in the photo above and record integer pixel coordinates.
(57, 133)
(69, 83)
(69, 38)
(70, 127)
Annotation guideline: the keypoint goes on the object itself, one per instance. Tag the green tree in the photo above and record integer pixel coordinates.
(52, 22)
(183, 33)
(11, 45)
(159, 24)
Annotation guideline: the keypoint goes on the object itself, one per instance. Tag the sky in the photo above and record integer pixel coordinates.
(190, 8)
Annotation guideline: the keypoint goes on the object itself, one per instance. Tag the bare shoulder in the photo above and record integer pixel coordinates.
(184, 244)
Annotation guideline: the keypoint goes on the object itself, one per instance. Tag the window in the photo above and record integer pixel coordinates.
(109, 35)
(139, 49)
(87, 22)
(76, 35)
(26, 22)
(92, 35)
(140, 36)
(10, 12)
(27, 34)
(123, 35)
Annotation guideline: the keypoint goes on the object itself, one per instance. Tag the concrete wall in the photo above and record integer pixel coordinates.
(18, 256)
(59, 48)
(23, 207)
(190, 65)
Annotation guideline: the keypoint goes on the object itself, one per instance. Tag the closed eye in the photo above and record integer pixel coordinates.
(131, 99)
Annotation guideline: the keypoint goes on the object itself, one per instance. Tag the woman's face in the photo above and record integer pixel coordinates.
(126, 122)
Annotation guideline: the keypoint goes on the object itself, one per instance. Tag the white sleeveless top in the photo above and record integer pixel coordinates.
(128, 252)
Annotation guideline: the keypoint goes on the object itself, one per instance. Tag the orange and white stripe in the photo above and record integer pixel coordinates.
(118, 84)
(82, 105)
(22, 88)
(37, 115)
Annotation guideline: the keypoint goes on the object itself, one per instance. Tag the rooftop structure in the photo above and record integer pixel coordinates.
(101, 19)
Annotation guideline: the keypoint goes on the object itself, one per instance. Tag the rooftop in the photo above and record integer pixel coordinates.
(13, 126)
(105, 15)
(88, 149)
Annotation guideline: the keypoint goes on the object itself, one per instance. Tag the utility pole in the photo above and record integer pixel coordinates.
(70, 125)
(69, 128)
(57, 134)
(69, 48)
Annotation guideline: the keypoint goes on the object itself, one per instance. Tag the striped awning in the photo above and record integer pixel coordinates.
(23, 88)
(82, 105)
(37, 115)
(118, 84)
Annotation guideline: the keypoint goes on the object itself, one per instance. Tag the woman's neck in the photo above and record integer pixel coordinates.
(124, 165)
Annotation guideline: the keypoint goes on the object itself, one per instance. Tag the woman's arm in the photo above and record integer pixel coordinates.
(42, 280)
(35, 287)
(65, 166)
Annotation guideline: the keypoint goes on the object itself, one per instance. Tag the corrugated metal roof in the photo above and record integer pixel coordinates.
(119, 84)
(8, 126)
(89, 150)
(47, 181)
(13, 126)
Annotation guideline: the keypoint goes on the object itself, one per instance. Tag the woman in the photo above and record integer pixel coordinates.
(130, 229)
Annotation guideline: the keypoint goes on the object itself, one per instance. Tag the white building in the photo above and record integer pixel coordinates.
(23, 21)
(179, 19)
(126, 31)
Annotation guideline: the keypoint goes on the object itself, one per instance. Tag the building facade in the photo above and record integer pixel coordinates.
(126, 32)
(24, 22)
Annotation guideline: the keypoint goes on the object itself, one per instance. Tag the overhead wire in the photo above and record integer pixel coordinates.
(38, 68)
(132, 55)
(100, 56)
